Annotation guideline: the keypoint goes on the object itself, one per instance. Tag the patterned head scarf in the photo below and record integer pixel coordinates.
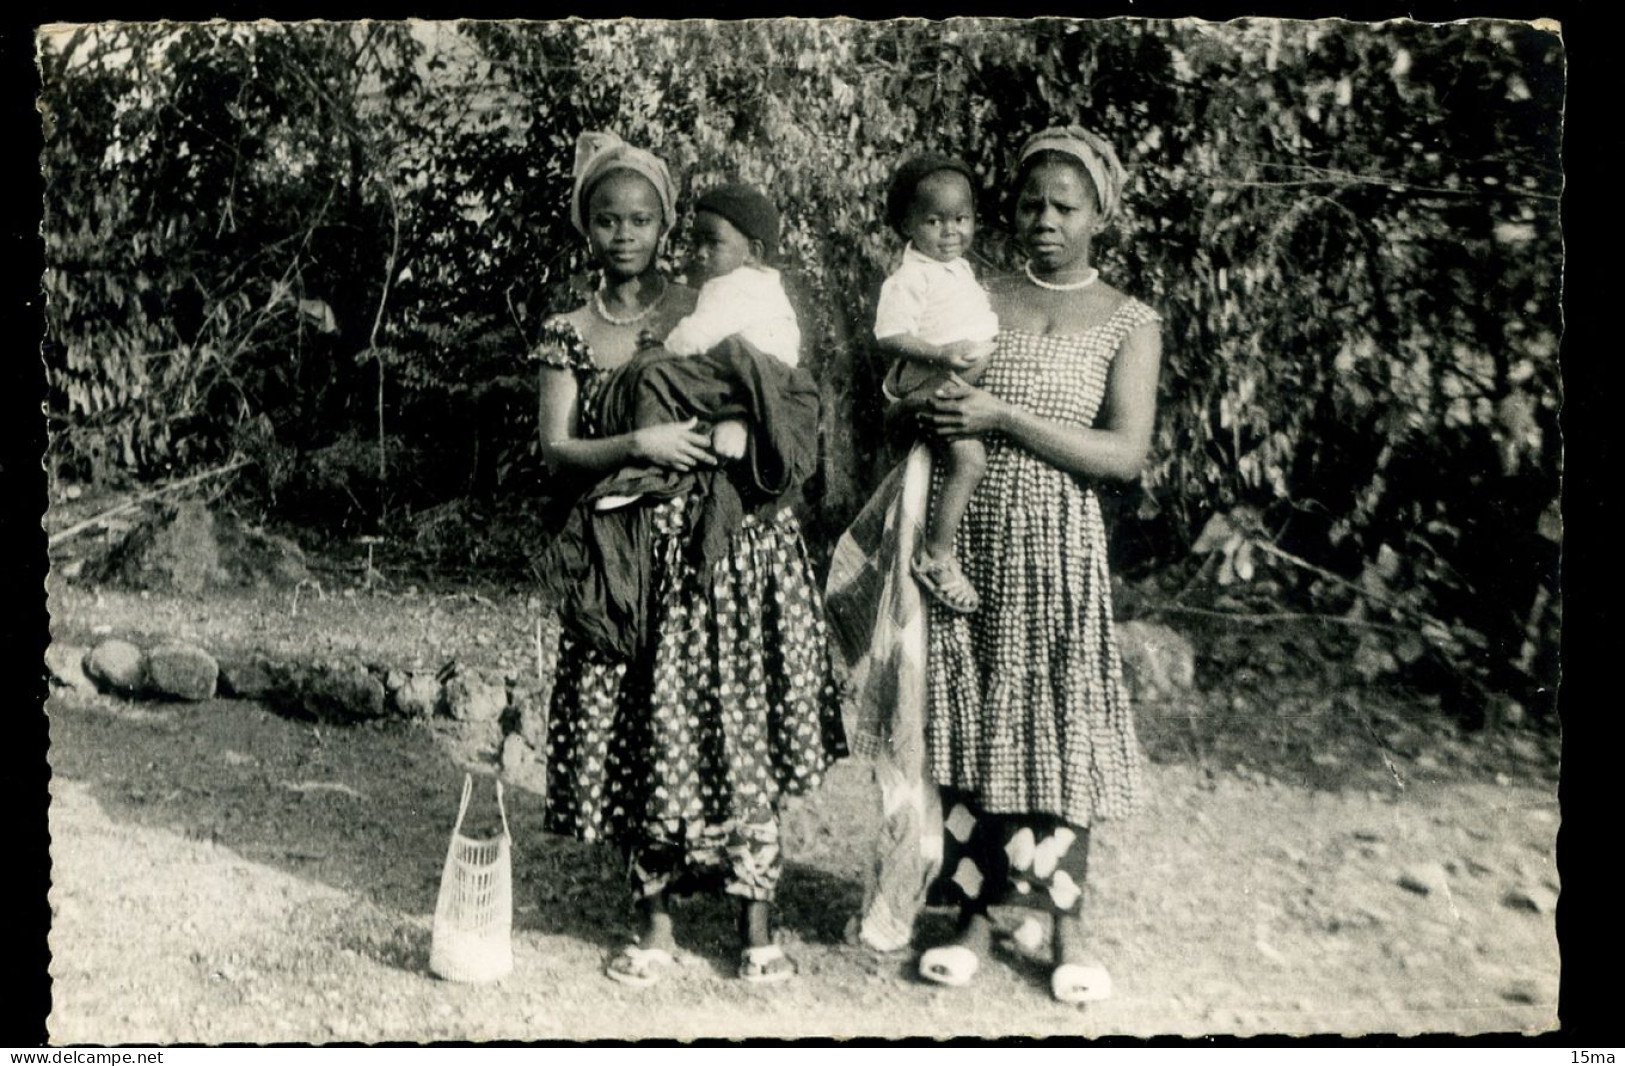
(601, 154)
(1092, 152)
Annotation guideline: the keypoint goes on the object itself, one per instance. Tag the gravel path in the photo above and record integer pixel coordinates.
(225, 874)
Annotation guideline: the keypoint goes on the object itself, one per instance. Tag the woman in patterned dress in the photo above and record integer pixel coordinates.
(1028, 727)
(680, 757)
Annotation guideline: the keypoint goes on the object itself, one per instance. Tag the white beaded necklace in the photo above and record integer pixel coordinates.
(648, 309)
(1069, 286)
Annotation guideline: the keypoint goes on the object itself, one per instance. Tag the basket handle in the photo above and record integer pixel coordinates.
(462, 807)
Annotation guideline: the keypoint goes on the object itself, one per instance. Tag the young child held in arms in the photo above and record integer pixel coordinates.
(934, 317)
(735, 235)
(729, 369)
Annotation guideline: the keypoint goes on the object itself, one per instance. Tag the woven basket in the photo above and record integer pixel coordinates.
(473, 918)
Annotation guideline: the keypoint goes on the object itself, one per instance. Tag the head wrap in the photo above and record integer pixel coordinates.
(908, 177)
(748, 210)
(601, 154)
(1092, 152)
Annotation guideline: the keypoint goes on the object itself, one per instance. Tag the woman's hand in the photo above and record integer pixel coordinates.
(961, 410)
(674, 445)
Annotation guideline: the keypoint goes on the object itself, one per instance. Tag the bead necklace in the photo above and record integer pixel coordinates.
(1069, 286)
(648, 309)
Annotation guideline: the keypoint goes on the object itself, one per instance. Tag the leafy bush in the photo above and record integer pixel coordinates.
(348, 233)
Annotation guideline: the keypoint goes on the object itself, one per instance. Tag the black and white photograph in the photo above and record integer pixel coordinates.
(534, 556)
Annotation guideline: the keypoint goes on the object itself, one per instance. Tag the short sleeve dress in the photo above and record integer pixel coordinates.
(1028, 725)
(682, 757)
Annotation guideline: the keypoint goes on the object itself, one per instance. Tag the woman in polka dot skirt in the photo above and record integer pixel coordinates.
(679, 757)
(1029, 729)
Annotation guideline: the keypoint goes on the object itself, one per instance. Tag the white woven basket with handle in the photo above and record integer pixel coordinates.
(473, 918)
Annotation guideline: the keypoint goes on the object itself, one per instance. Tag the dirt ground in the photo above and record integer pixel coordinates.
(225, 874)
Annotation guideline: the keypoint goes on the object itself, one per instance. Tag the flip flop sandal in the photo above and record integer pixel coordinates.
(639, 967)
(1073, 982)
(766, 965)
(953, 965)
(930, 576)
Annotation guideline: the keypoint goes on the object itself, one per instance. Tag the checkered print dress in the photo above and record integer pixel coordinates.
(1026, 707)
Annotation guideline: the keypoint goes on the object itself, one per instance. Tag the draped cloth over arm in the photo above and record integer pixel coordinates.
(598, 570)
(878, 630)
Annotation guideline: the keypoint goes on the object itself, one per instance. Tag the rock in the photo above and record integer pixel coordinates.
(1536, 898)
(1374, 915)
(174, 550)
(527, 712)
(1426, 762)
(66, 666)
(117, 666)
(182, 671)
(1424, 878)
(340, 691)
(187, 548)
(246, 677)
(516, 754)
(1159, 664)
(471, 697)
(416, 696)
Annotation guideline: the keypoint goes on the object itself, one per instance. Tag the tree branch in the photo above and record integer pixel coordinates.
(79, 527)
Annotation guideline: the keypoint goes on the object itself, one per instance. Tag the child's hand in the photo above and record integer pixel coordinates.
(966, 355)
(729, 438)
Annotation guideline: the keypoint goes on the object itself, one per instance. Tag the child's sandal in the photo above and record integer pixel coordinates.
(944, 582)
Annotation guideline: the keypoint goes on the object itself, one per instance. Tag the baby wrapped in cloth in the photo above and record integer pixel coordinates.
(598, 570)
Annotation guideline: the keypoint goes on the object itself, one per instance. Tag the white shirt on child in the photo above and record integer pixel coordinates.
(935, 301)
(749, 302)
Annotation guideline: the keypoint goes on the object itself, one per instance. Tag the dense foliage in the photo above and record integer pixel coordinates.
(325, 245)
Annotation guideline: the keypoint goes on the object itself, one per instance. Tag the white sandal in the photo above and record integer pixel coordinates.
(765, 965)
(1073, 982)
(952, 965)
(640, 967)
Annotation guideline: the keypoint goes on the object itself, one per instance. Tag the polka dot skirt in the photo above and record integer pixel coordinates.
(1026, 704)
(733, 709)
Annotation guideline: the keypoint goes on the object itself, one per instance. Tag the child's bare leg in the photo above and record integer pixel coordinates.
(964, 461)
(973, 373)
